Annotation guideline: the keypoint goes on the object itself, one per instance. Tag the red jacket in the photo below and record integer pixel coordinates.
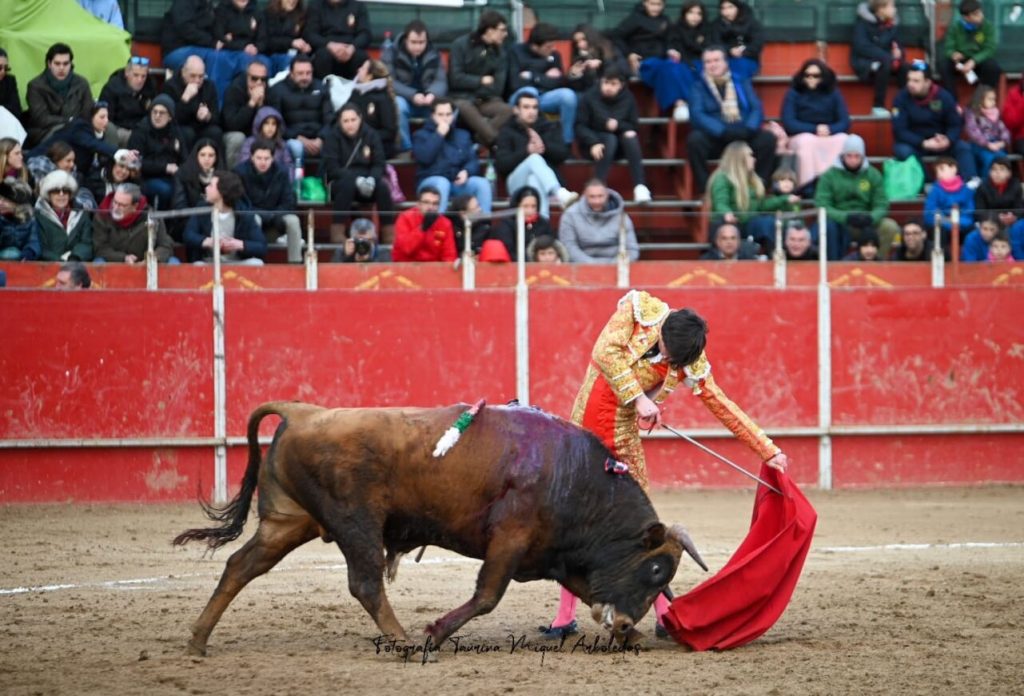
(1013, 113)
(413, 244)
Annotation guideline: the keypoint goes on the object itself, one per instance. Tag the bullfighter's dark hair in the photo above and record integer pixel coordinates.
(685, 334)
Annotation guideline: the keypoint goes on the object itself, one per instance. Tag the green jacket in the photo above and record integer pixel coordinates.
(723, 200)
(842, 192)
(978, 45)
(55, 241)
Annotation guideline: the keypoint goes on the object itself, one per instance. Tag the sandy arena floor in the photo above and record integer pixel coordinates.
(105, 603)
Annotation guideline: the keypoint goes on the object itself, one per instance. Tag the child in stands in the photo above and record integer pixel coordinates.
(949, 190)
(999, 249)
(977, 243)
(1000, 195)
(988, 135)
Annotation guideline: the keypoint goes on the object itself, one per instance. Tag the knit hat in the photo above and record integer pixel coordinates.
(165, 101)
(126, 158)
(853, 144)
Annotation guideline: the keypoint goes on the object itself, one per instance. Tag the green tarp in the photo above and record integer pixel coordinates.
(30, 27)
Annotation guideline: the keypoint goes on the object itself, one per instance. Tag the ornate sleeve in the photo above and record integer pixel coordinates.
(728, 413)
(613, 357)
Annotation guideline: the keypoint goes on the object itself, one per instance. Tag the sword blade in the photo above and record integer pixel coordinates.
(720, 458)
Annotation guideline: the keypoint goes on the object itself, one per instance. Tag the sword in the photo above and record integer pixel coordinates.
(719, 457)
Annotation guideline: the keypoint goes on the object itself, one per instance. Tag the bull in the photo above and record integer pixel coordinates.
(524, 491)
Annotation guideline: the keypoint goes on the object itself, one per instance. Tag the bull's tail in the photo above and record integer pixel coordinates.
(233, 515)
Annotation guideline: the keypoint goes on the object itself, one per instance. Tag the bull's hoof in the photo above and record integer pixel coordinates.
(196, 649)
(559, 632)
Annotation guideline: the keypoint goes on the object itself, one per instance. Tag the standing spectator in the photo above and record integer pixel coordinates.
(86, 138)
(816, 120)
(740, 34)
(608, 124)
(643, 34)
(195, 102)
(672, 78)
(949, 190)
(272, 196)
(159, 142)
(16, 203)
(927, 121)
(797, 243)
(591, 52)
(876, 54)
(970, 48)
(375, 95)
(280, 33)
(269, 126)
(339, 32)
(418, 76)
(62, 233)
(305, 106)
(72, 276)
(447, 158)
(590, 228)
(236, 26)
(988, 135)
(107, 10)
(915, 245)
(241, 241)
(422, 233)
(9, 96)
(854, 199)
(196, 173)
(528, 151)
(56, 95)
(244, 98)
(724, 108)
(120, 232)
(353, 164)
(977, 242)
(727, 246)
(537, 69)
(128, 94)
(188, 30)
(536, 225)
(477, 76)
(1000, 196)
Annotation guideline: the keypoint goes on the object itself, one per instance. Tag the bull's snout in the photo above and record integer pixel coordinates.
(612, 620)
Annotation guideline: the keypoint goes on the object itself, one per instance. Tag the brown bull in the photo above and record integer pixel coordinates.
(525, 492)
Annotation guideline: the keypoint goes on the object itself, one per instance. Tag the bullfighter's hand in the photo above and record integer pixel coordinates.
(648, 413)
(779, 462)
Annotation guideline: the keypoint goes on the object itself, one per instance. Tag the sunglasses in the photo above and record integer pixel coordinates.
(63, 189)
(257, 78)
(138, 60)
(812, 75)
(919, 65)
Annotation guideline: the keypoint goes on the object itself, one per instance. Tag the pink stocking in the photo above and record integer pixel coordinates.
(661, 606)
(567, 602)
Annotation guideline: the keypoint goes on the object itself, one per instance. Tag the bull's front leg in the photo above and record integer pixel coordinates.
(500, 563)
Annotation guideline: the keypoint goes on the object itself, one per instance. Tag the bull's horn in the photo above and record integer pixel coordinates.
(679, 532)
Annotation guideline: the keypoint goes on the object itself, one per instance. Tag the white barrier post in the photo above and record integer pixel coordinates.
(468, 262)
(824, 358)
(622, 276)
(522, 315)
(220, 453)
(779, 255)
(312, 272)
(151, 269)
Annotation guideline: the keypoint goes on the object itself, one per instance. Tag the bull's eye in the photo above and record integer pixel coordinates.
(655, 570)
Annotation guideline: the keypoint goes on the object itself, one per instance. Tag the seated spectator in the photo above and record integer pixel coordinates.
(59, 231)
(241, 241)
(305, 105)
(107, 10)
(120, 232)
(988, 135)
(60, 155)
(12, 162)
(736, 196)
(244, 98)
(949, 190)
(16, 209)
(876, 54)
(477, 73)
(128, 94)
(727, 246)
(1000, 196)
(976, 244)
(268, 125)
(854, 200)
(196, 173)
(999, 250)
(537, 69)
(723, 109)
(353, 165)
(915, 245)
(447, 158)
(867, 249)
(339, 33)
(123, 169)
(970, 47)
(196, 109)
(9, 95)
(188, 30)
(672, 78)
(422, 233)
(1013, 115)
(418, 76)
(736, 29)
(361, 245)
(643, 34)
(374, 94)
(72, 276)
(927, 121)
(547, 249)
(159, 143)
(280, 33)
(607, 125)
(816, 120)
(784, 184)
(528, 200)
(272, 196)
(528, 151)
(797, 242)
(590, 228)
(56, 96)
(236, 27)
(591, 52)
(86, 138)
(464, 211)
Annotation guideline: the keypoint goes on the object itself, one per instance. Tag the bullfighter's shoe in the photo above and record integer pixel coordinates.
(556, 632)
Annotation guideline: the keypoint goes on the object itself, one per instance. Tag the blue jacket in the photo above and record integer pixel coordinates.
(201, 226)
(437, 156)
(975, 248)
(706, 112)
(803, 111)
(941, 201)
(916, 120)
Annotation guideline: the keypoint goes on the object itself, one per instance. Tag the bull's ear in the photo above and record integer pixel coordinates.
(654, 536)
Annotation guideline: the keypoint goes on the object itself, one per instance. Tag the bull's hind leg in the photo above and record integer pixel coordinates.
(276, 536)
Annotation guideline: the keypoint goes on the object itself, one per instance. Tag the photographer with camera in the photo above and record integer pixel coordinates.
(361, 246)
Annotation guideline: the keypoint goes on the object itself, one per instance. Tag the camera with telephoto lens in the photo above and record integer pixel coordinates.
(364, 247)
